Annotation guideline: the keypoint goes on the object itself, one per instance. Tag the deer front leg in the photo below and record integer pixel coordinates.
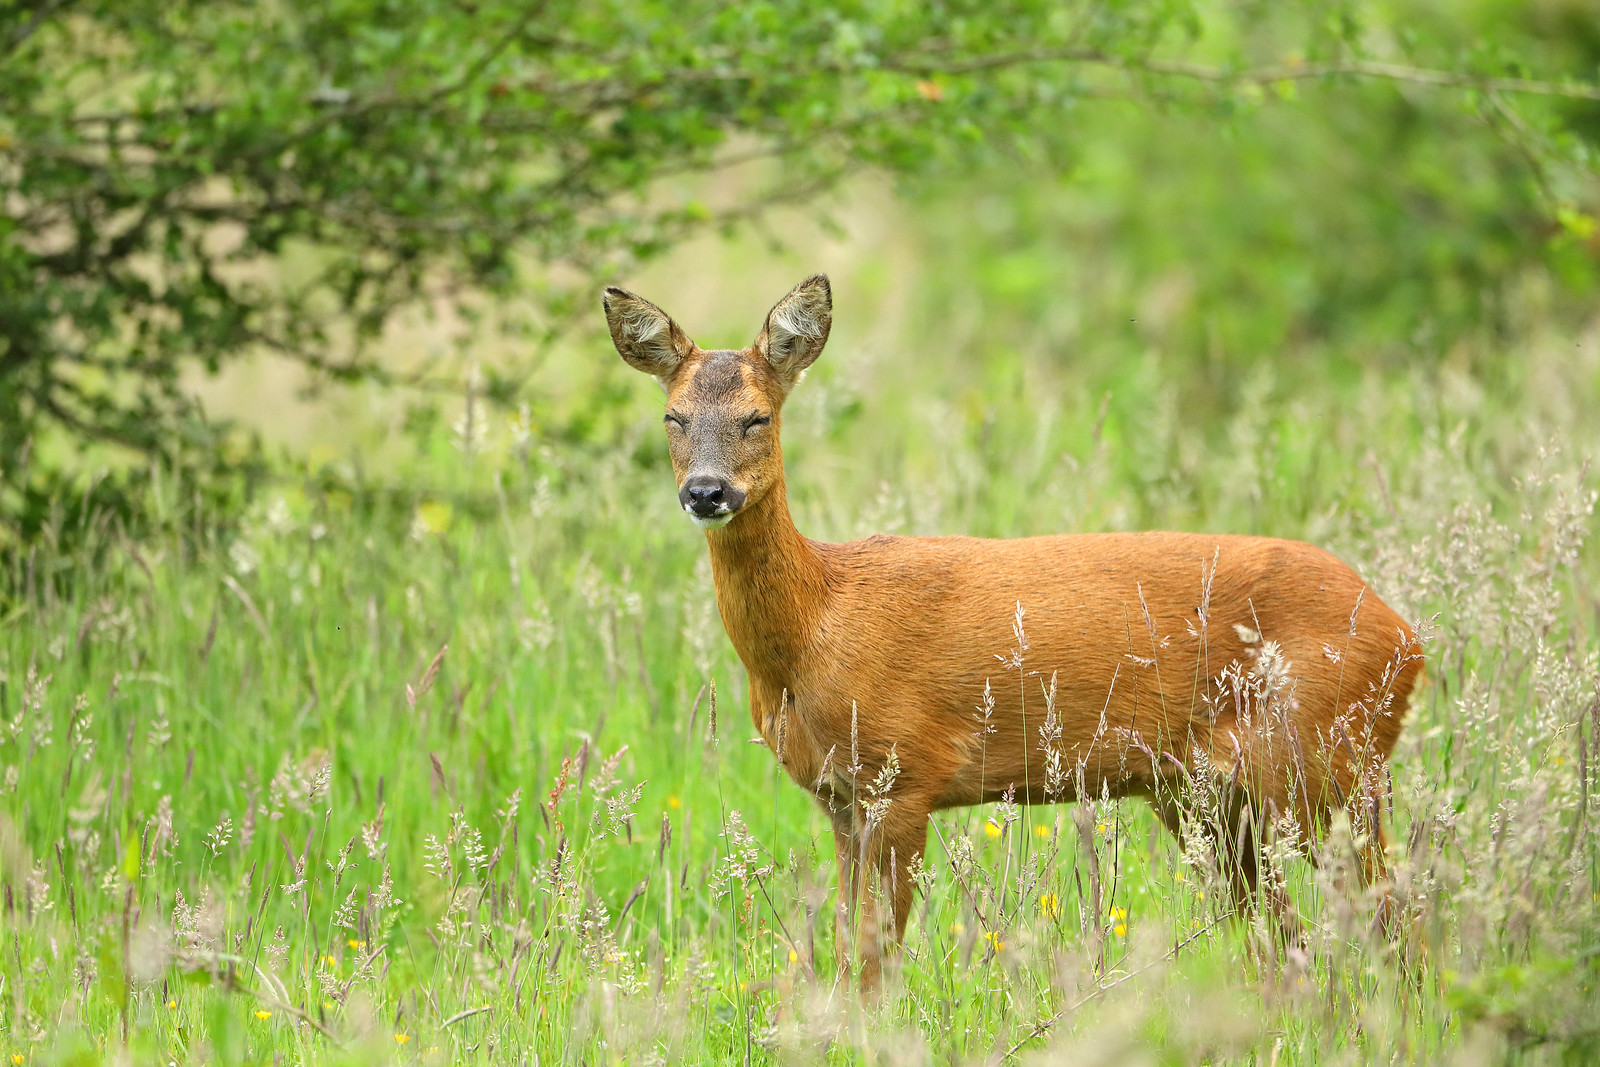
(889, 854)
(845, 853)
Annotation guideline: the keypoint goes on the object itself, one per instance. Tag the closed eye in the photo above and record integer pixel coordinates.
(679, 421)
(756, 420)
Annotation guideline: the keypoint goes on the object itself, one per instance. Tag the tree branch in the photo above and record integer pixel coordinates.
(20, 36)
(1362, 68)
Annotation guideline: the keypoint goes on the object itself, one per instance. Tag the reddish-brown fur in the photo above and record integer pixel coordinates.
(1159, 646)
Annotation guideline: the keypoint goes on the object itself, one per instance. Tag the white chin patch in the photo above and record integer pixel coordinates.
(713, 522)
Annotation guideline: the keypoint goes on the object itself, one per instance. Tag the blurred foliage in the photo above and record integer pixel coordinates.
(183, 183)
(1325, 229)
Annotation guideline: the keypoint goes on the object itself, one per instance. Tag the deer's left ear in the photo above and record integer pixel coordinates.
(797, 328)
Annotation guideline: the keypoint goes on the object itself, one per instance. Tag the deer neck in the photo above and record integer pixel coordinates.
(771, 586)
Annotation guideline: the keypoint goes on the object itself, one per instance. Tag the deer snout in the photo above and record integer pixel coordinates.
(709, 500)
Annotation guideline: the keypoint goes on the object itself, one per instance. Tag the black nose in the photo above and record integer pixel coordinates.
(704, 495)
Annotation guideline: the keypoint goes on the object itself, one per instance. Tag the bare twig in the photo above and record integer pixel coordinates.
(1044, 1025)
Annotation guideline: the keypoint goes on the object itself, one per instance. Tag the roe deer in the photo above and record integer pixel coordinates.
(1148, 662)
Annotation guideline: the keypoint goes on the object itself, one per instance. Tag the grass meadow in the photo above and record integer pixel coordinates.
(440, 755)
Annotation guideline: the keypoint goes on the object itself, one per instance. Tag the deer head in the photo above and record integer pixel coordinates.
(724, 406)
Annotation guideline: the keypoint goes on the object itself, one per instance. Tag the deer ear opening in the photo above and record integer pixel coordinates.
(645, 335)
(797, 328)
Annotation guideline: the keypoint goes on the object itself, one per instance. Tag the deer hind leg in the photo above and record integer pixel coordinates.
(1236, 834)
(1253, 826)
(1359, 790)
(1368, 808)
(1230, 823)
(1404, 934)
(1236, 828)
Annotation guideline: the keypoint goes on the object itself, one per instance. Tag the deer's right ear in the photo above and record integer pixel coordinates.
(644, 335)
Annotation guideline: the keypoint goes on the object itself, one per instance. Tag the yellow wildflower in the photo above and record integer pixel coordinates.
(433, 516)
(1119, 913)
(991, 829)
(1121, 930)
(353, 943)
(401, 1039)
(1101, 828)
(958, 928)
(1043, 832)
(994, 939)
(794, 957)
(1050, 906)
(263, 1013)
(172, 1004)
(16, 1058)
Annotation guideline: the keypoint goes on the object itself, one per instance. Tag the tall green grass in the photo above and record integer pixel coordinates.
(460, 772)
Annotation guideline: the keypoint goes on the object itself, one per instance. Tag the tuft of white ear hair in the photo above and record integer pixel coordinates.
(797, 328)
(643, 334)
